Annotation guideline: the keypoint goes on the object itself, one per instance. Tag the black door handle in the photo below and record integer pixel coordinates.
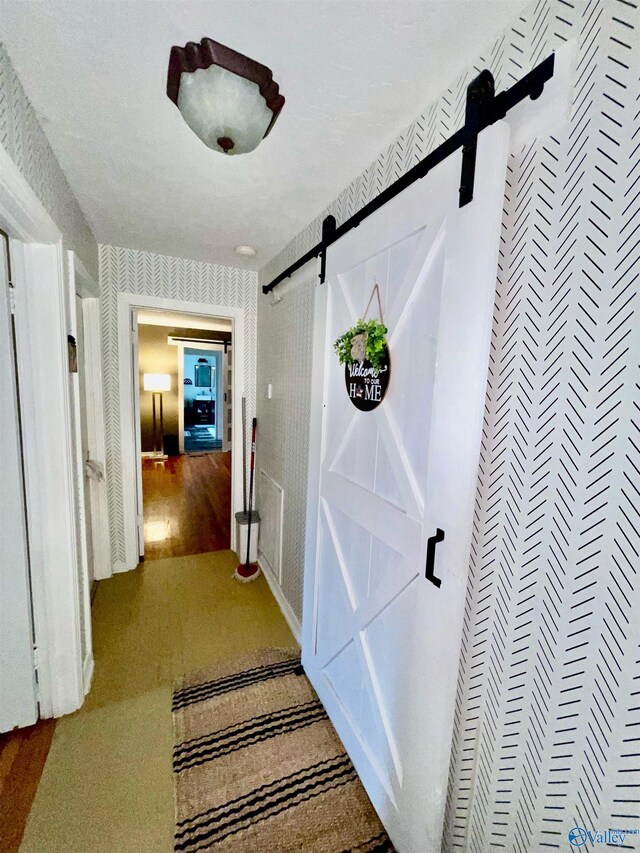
(432, 541)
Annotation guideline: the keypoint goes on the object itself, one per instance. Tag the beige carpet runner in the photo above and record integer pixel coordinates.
(258, 767)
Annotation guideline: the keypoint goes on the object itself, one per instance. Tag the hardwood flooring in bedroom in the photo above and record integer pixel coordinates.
(187, 505)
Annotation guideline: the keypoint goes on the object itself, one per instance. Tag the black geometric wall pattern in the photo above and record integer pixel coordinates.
(151, 274)
(548, 717)
(547, 727)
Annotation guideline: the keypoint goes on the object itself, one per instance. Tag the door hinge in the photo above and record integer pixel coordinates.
(12, 301)
(36, 678)
(139, 520)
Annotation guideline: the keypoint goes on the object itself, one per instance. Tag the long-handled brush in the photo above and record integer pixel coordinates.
(249, 571)
(244, 454)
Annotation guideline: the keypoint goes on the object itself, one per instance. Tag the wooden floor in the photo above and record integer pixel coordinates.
(23, 753)
(187, 505)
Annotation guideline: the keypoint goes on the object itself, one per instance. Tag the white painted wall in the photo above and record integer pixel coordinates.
(25, 142)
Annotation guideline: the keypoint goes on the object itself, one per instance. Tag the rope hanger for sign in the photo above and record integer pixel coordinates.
(376, 291)
(362, 332)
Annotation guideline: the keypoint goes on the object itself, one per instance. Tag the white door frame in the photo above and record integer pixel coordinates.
(204, 345)
(88, 290)
(180, 346)
(18, 684)
(130, 413)
(38, 265)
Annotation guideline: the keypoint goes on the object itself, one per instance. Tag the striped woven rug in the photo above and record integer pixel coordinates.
(258, 767)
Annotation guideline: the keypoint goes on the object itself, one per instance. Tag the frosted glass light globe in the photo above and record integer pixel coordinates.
(222, 108)
(229, 100)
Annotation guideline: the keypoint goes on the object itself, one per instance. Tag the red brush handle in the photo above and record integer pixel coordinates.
(253, 457)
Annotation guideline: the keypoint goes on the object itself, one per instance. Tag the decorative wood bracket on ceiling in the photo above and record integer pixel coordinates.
(483, 109)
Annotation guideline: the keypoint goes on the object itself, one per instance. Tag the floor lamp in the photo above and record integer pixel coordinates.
(157, 383)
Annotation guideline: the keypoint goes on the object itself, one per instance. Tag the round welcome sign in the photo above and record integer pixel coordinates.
(367, 385)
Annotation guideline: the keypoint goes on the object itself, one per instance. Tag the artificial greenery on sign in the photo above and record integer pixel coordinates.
(366, 340)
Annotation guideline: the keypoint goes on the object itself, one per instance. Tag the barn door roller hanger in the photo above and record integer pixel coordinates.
(483, 109)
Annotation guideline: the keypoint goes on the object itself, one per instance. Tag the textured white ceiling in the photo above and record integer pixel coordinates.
(354, 75)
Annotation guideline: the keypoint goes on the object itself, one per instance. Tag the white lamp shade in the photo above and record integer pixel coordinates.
(156, 381)
(218, 104)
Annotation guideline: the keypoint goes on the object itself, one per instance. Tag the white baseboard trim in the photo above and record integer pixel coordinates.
(292, 620)
(104, 572)
(121, 566)
(87, 673)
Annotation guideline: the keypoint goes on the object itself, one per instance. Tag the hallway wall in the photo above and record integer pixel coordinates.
(132, 271)
(285, 332)
(22, 137)
(547, 711)
(155, 355)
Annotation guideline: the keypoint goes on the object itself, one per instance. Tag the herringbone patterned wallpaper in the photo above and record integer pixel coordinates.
(285, 331)
(23, 139)
(547, 730)
(133, 271)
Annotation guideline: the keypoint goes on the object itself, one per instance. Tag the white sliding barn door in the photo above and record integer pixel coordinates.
(381, 642)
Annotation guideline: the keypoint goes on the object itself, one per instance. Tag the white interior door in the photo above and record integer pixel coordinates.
(85, 453)
(227, 421)
(84, 546)
(381, 643)
(18, 705)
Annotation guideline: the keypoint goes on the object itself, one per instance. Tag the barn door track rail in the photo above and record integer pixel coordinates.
(483, 109)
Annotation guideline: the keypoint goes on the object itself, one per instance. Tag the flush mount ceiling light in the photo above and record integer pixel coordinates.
(245, 251)
(230, 101)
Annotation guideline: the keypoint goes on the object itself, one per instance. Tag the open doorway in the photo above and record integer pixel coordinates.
(182, 362)
(201, 399)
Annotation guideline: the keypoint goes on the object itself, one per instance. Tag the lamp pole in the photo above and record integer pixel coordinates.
(157, 440)
(157, 383)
